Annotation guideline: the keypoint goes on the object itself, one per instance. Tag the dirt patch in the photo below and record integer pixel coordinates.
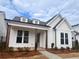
(65, 53)
(18, 54)
(69, 55)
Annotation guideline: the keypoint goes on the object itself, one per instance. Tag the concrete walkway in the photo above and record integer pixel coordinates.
(50, 55)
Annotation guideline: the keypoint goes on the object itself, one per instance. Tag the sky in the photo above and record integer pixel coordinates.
(41, 9)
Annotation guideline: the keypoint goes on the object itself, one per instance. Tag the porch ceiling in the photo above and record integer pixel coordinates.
(30, 26)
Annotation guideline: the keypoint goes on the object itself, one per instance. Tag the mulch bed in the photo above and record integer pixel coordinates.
(18, 54)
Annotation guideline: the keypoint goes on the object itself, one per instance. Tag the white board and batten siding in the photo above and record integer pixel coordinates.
(31, 40)
(63, 27)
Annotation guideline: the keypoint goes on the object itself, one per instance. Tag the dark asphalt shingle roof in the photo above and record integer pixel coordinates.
(26, 22)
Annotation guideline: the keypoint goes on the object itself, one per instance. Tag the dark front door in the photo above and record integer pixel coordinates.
(37, 41)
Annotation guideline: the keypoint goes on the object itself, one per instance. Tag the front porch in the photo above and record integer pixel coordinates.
(36, 37)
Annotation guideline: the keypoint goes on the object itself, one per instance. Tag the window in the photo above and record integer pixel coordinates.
(62, 38)
(22, 36)
(66, 38)
(26, 33)
(19, 36)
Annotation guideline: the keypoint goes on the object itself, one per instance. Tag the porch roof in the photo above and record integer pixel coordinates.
(27, 25)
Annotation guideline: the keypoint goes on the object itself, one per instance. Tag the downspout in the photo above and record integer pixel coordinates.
(55, 38)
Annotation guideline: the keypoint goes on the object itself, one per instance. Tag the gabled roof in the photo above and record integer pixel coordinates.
(53, 18)
(63, 19)
(75, 25)
(58, 23)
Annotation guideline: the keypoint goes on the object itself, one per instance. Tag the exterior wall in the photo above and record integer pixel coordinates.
(51, 32)
(31, 43)
(3, 25)
(64, 28)
(51, 37)
(43, 39)
(75, 28)
(77, 37)
(13, 35)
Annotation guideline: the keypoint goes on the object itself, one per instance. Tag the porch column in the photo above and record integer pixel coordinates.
(35, 40)
(46, 39)
(8, 35)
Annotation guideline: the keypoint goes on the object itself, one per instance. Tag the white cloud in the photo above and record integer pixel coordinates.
(9, 13)
(43, 9)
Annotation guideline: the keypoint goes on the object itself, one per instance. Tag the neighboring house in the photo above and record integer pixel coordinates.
(22, 32)
(3, 26)
(75, 33)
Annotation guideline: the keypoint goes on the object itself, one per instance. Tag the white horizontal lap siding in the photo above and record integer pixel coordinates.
(29, 26)
(13, 36)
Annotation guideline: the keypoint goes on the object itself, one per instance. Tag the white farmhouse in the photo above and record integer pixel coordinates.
(22, 32)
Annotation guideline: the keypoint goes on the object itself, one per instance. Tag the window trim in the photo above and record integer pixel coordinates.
(65, 38)
(62, 38)
(22, 41)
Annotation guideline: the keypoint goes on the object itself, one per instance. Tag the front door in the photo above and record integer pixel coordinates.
(37, 41)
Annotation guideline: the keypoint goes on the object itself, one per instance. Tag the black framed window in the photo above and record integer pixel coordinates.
(26, 36)
(19, 36)
(22, 36)
(62, 38)
(66, 38)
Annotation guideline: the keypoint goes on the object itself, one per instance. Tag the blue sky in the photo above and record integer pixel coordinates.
(41, 9)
